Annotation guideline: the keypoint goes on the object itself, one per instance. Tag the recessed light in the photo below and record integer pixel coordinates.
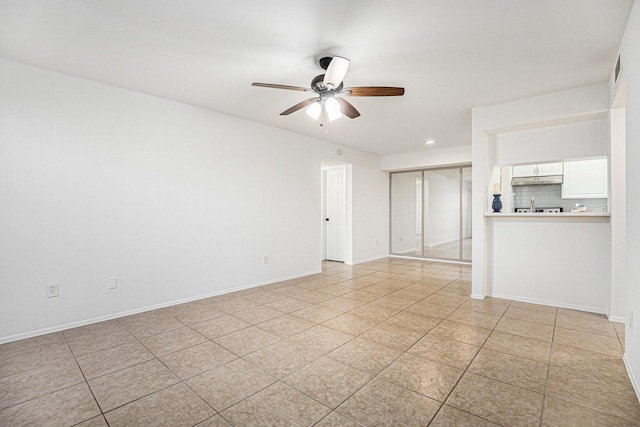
(429, 141)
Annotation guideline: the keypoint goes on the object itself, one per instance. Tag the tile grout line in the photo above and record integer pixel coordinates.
(407, 351)
(373, 377)
(389, 292)
(467, 370)
(86, 382)
(281, 380)
(143, 345)
(546, 380)
(156, 357)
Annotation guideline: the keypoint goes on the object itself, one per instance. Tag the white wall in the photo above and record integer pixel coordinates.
(368, 201)
(582, 139)
(617, 200)
(571, 104)
(553, 261)
(631, 60)
(176, 201)
(431, 157)
(370, 208)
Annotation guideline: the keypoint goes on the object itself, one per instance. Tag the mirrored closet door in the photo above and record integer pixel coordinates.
(431, 213)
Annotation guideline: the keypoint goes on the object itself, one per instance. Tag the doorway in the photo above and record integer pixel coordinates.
(335, 213)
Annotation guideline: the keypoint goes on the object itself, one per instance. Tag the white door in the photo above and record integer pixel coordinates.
(335, 213)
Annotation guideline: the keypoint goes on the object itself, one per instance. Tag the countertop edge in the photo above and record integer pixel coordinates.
(547, 215)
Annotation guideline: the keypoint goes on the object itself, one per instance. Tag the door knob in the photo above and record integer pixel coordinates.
(326, 219)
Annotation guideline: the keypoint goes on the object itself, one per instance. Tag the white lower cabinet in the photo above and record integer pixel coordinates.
(585, 179)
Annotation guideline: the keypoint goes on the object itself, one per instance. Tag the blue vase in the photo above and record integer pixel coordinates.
(497, 203)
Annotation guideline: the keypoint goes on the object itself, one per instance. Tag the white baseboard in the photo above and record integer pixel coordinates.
(90, 321)
(444, 242)
(477, 296)
(554, 304)
(408, 251)
(417, 258)
(616, 319)
(632, 377)
(550, 303)
(376, 258)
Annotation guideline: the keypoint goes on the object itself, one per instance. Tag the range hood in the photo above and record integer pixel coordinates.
(536, 180)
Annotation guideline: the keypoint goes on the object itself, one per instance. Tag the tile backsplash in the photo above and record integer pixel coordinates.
(550, 196)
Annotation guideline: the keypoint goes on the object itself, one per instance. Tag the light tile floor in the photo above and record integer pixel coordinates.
(393, 342)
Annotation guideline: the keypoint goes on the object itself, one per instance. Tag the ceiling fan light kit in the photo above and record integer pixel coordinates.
(332, 107)
(326, 105)
(314, 110)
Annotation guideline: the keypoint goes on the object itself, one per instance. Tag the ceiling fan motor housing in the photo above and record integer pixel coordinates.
(331, 83)
(317, 84)
(324, 62)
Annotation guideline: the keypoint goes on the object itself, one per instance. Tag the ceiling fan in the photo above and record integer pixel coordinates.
(327, 105)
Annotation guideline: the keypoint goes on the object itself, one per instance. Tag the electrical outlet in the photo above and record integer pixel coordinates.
(53, 290)
(265, 259)
(113, 283)
(631, 320)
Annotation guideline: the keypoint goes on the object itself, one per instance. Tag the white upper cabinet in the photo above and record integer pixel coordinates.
(585, 179)
(545, 169)
(548, 169)
(524, 170)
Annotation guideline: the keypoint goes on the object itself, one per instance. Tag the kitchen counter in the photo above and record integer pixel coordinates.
(548, 215)
(560, 259)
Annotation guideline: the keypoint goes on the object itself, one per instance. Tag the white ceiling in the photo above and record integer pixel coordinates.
(449, 55)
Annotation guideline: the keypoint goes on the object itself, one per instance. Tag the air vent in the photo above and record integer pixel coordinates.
(618, 70)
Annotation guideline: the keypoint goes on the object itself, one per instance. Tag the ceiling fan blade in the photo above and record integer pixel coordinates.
(347, 109)
(375, 91)
(275, 86)
(336, 71)
(299, 106)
